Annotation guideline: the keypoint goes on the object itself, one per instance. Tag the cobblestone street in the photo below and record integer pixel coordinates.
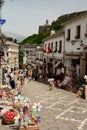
(61, 110)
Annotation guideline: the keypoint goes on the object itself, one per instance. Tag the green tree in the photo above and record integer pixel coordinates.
(21, 55)
(15, 40)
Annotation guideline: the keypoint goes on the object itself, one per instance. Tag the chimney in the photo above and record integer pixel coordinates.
(52, 32)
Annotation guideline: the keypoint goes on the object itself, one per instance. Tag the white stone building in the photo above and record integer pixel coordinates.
(56, 45)
(29, 55)
(39, 59)
(12, 55)
(75, 44)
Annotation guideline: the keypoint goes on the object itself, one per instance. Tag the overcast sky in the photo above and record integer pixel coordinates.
(25, 16)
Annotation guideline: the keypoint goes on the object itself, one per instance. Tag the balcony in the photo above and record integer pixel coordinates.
(73, 42)
(72, 55)
(68, 39)
(77, 37)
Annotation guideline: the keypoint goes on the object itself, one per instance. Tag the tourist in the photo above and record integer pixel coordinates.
(12, 80)
(51, 84)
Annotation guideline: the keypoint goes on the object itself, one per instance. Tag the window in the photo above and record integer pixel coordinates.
(86, 31)
(52, 46)
(7, 54)
(55, 47)
(49, 45)
(60, 46)
(78, 31)
(86, 56)
(68, 34)
(45, 48)
(27, 52)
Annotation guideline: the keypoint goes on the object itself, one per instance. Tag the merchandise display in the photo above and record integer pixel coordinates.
(17, 109)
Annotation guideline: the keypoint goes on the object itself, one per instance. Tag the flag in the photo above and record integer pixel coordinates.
(48, 50)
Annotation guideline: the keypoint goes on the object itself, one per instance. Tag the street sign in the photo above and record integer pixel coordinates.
(2, 21)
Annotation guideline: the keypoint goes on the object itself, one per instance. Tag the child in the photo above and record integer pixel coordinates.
(79, 93)
(51, 84)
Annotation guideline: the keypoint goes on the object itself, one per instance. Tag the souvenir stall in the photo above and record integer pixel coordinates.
(17, 109)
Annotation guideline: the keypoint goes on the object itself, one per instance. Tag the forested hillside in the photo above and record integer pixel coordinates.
(57, 25)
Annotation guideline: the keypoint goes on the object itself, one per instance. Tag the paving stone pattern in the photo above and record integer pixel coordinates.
(61, 110)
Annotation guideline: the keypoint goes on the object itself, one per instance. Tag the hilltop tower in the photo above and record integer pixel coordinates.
(44, 28)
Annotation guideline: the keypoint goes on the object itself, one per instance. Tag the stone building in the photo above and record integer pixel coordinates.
(29, 55)
(12, 55)
(44, 28)
(53, 58)
(39, 59)
(70, 45)
(75, 48)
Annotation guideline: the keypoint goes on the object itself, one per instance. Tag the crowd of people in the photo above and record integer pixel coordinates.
(68, 80)
(17, 78)
(62, 78)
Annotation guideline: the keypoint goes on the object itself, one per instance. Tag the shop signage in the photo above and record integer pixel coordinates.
(2, 21)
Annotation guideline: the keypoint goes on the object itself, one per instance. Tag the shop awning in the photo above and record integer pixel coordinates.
(71, 57)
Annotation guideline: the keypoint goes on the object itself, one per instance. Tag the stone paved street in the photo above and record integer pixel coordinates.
(61, 110)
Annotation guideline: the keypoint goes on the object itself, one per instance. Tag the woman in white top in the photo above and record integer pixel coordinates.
(12, 81)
